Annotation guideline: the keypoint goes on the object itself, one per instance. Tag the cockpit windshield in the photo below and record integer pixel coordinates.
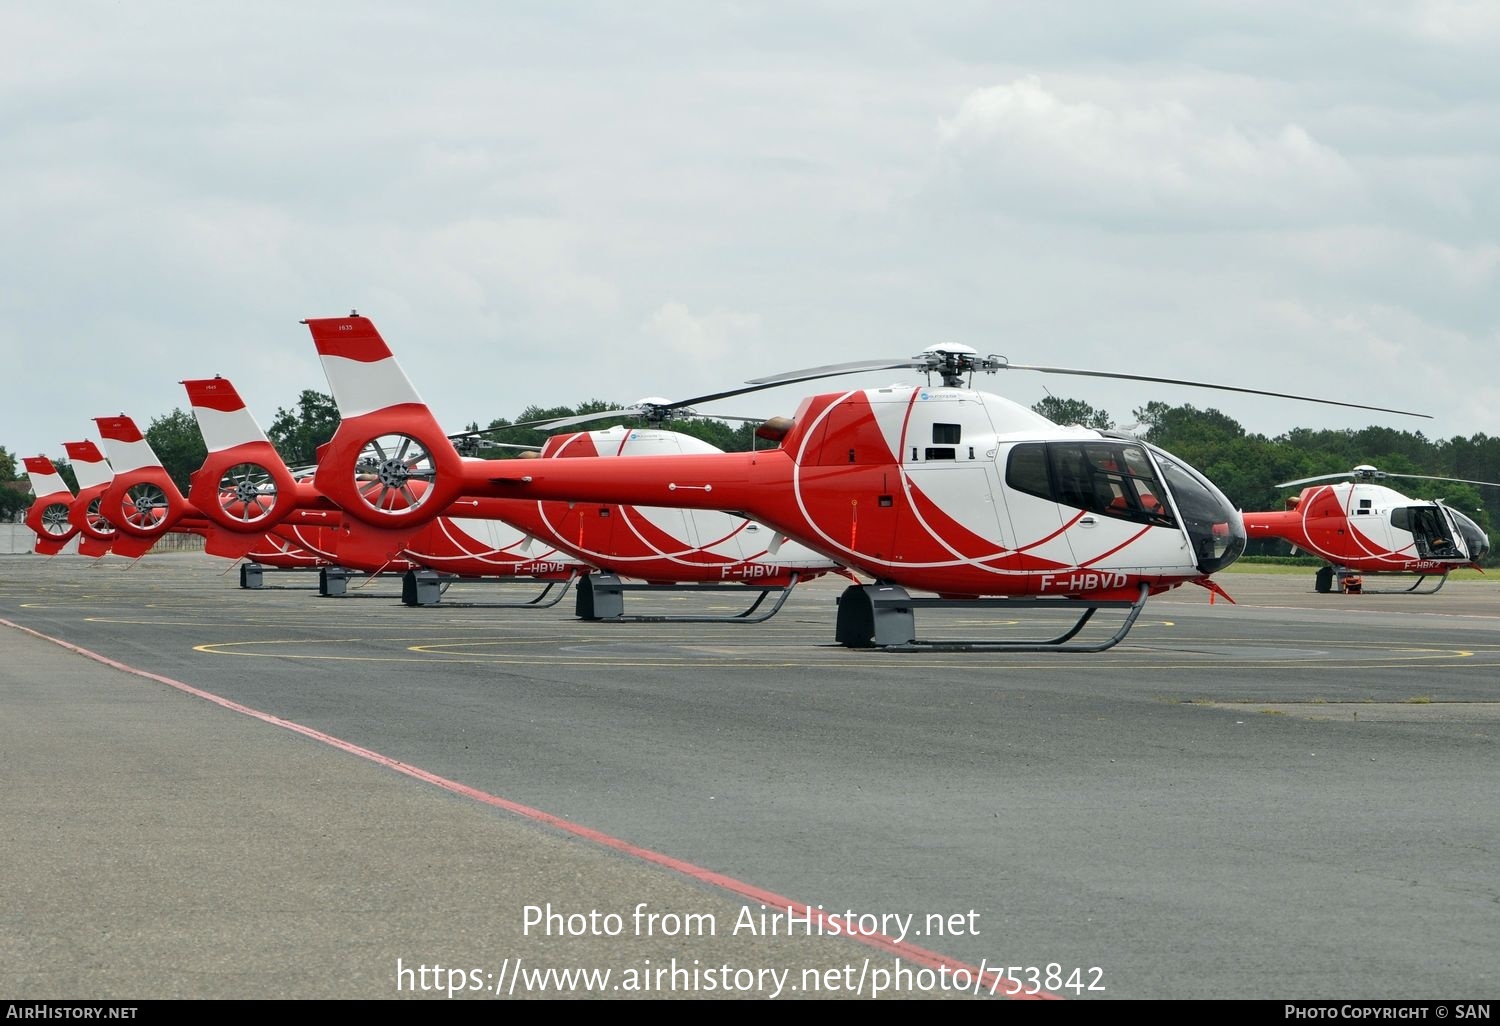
(1117, 476)
(1475, 540)
(1216, 528)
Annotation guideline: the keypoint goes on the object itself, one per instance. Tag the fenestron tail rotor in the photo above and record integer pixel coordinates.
(97, 521)
(247, 492)
(55, 519)
(395, 473)
(145, 506)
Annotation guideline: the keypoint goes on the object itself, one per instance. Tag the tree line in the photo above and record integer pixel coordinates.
(1247, 467)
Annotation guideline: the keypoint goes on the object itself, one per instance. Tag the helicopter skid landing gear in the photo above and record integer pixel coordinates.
(881, 616)
(1442, 580)
(426, 587)
(253, 575)
(1351, 583)
(333, 581)
(601, 596)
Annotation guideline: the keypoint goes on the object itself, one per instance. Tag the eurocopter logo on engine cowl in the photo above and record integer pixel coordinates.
(1084, 582)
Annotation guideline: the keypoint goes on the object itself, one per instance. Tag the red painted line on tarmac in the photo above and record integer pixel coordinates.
(829, 922)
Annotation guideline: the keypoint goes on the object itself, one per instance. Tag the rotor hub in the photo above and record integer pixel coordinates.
(394, 473)
(955, 361)
(147, 498)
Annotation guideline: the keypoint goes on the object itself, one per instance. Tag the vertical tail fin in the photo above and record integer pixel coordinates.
(362, 372)
(244, 485)
(48, 515)
(45, 480)
(221, 414)
(125, 445)
(94, 476)
(389, 464)
(88, 463)
(142, 501)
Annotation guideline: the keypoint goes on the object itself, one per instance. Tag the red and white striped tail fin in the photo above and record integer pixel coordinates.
(45, 480)
(222, 415)
(89, 464)
(124, 444)
(142, 500)
(389, 464)
(48, 515)
(243, 485)
(361, 370)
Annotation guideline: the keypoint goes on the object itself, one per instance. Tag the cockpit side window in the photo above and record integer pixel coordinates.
(1112, 478)
(1026, 471)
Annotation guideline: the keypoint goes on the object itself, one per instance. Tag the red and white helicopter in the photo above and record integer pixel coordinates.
(53, 501)
(964, 494)
(139, 504)
(96, 534)
(245, 486)
(1362, 527)
(57, 515)
(634, 546)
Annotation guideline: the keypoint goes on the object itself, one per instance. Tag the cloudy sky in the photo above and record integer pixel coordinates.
(551, 202)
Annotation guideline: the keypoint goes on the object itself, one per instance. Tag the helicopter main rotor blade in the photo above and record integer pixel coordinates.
(643, 411)
(1382, 474)
(487, 444)
(553, 425)
(1456, 480)
(832, 369)
(1310, 480)
(1205, 384)
(582, 418)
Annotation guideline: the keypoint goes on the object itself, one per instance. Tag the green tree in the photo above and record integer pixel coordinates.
(739, 437)
(15, 495)
(502, 431)
(297, 433)
(731, 438)
(1181, 428)
(178, 443)
(1074, 411)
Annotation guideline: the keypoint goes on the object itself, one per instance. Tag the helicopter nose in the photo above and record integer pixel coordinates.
(1212, 522)
(1475, 540)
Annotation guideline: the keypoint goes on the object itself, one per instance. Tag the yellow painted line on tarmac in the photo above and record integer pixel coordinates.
(539, 660)
(749, 656)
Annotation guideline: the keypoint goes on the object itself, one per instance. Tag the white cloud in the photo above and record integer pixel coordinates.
(1464, 23)
(711, 340)
(554, 203)
(1024, 150)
